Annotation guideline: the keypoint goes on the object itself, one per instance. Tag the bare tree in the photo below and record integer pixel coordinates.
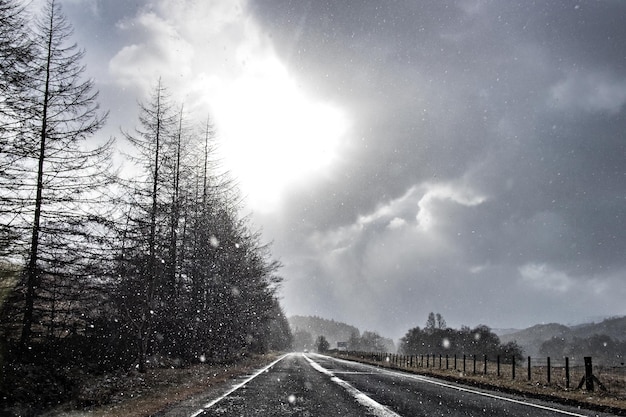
(153, 142)
(15, 53)
(195, 280)
(441, 322)
(56, 177)
(431, 323)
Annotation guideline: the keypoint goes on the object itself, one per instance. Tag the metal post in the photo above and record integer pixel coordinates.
(566, 372)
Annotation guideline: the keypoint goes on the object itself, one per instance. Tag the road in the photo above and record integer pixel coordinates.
(315, 385)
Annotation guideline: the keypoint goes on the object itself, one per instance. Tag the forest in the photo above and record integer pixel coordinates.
(307, 331)
(99, 270)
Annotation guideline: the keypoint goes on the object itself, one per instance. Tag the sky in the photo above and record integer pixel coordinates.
(462, 157)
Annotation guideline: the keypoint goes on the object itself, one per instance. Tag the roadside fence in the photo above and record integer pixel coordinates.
(580, 373)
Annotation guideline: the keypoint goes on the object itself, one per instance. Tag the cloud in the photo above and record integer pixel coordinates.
(436, 194)
(542, 277)
(273, 133)
(160, 51)
(595, 92)
(389, 253)
(470, 155)
(486, 161)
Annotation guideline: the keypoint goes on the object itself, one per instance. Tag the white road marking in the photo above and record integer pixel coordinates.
(353, 373)
(374, 407)
(236, 387)
(468, 390)
(494, 396)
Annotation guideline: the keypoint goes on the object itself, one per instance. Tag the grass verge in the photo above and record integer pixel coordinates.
(141, 395)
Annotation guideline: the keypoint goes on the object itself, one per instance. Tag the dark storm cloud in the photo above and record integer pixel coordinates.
(521, 106)
(484, 171)
(435, 79)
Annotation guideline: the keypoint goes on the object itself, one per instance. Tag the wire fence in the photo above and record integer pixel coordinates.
(567, 373)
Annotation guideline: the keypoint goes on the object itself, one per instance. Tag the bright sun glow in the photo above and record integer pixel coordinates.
(273, 135)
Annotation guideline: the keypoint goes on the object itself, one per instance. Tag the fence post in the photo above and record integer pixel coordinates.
(513, 367)
(474, 364)
(464, 364)
(529, 370)
(588, 374)
(446, 362)
(498, 365)
(455, 368)
(440, 361)
(567, 372)
(485, 365)
(427, 357)
(549, 376)
(589, 377)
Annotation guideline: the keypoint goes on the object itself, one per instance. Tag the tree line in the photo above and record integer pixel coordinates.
(437, 338)
(367, 342)
(105, 271)
(605, 349)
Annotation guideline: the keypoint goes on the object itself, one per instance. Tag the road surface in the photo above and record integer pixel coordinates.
(314, 385)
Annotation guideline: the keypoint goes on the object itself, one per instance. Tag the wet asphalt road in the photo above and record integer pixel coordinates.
(315, 385)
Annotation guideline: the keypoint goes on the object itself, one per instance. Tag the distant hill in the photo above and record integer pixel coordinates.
(530, 339)
(614, 327)
(332, 330)
(502, 332)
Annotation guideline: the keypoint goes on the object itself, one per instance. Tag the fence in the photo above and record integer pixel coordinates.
(566, 373)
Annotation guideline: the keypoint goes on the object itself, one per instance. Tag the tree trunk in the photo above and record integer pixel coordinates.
(32, 275)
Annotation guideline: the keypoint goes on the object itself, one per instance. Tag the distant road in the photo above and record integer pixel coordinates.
(315, 385)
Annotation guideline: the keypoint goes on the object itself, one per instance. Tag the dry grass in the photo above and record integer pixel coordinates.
(613, 401)
(141, 395)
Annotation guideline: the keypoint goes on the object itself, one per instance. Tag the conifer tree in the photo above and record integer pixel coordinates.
(55, 178)
(15, 53)
(141, 290)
